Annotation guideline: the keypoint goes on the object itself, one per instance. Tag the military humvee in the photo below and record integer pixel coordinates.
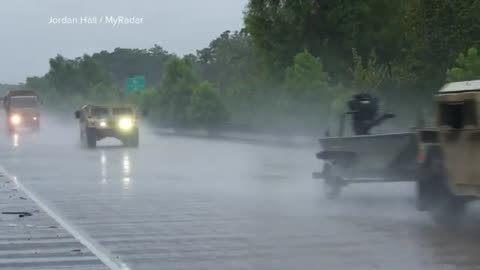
(449, 154)
(101, 121)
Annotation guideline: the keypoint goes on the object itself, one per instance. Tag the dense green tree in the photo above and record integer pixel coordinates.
(308, 93)
(62, 75)
(178, 83)
(306, 79)
(467, 67)
(252, 102)
(206, 106)
(278, 28)
(229, 59)
(369, 76)
(328, 29)
(437, 32)
(75, 76)
(415, 39)
(124, 63)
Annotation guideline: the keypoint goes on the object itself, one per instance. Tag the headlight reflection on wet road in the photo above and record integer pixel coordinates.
(15, 140)
(126, 171)
(115, 166)
(103, 164)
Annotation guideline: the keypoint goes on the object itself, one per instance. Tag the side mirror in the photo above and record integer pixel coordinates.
(77, 114)
(145, 113)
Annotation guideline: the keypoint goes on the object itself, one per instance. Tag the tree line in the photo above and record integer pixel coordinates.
(292, 66)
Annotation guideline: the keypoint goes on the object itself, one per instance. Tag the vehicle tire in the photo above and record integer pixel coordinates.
(132, 140)
(425, 189)
(332, 184)
(448, 210)
(445, 207)
(90, 138)
(83, 140)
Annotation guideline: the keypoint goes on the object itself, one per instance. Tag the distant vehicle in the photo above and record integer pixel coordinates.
(100, 121)
(442, 160)
(22, 108)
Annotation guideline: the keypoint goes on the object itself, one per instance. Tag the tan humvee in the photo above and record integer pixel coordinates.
(449, 154)
(100, 121)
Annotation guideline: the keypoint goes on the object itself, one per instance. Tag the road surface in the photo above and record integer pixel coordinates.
(184, 203)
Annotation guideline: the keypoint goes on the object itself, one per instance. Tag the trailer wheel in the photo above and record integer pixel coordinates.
(332, 184)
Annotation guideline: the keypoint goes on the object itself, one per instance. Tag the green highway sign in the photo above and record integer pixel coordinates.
(135, 84)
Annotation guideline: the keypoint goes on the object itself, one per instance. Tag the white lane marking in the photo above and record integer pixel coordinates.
(94, 247)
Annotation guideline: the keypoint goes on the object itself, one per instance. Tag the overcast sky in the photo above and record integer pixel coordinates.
(27, 40)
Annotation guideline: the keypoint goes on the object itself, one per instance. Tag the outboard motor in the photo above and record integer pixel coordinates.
(364, 111)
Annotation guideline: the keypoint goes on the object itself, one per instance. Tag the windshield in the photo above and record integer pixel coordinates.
(23, 102)
(122, 111)
(99, 111)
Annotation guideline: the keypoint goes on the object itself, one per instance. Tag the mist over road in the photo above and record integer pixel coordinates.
(185, 203)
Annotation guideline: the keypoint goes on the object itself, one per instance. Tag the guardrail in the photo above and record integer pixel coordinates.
(288, 140)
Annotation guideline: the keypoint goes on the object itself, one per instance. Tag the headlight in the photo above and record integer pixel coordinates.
(102, 123)
(15, 119)
(125, 124)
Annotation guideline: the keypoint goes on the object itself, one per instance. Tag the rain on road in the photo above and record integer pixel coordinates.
(183, 203)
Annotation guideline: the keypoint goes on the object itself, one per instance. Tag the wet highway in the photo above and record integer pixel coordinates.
(185, 203)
